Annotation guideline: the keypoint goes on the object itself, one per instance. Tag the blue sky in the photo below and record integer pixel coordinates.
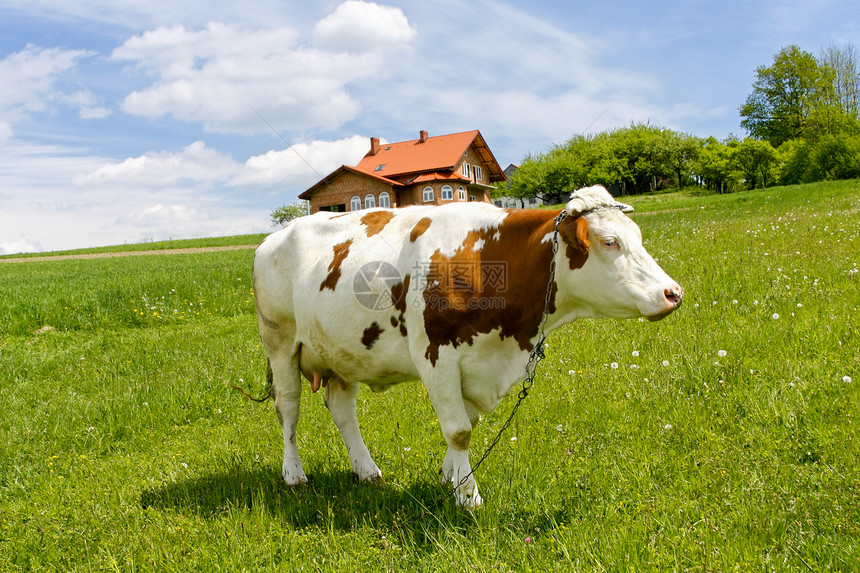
(129, 121)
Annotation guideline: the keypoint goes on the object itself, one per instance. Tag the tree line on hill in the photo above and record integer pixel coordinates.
(803, 121)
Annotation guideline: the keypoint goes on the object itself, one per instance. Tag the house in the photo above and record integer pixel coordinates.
(424, 171)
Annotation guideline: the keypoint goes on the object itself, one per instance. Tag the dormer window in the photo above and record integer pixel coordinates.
(380, 167)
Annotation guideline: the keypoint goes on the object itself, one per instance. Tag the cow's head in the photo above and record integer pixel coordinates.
(603, 269)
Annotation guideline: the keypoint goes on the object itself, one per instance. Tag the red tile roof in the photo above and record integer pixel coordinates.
(441, 153)
(345, 168)
(440, 176)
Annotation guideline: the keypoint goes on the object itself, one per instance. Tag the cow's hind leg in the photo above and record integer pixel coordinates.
(286, 387)
(340, 398)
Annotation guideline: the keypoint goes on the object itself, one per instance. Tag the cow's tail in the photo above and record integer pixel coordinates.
(270, 393)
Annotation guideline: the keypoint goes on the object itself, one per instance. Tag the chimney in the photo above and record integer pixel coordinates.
(423, 136)
(374, 145)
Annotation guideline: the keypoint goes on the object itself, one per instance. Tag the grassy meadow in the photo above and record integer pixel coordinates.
(722, 438)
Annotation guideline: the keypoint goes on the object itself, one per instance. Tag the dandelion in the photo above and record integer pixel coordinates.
(721, 353)
(635, 353)
(559, 428)
(846, 379)
(614, 365)
(665, 363)
(570, 372)
(634, 367)
(184, 465)
(667, 427)
(775, 316)
(514, 439)
(799, 305)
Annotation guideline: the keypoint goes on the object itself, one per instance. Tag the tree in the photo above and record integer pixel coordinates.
(755, 161)
(680, 151)
(713, 166)
(843, 66)
(783, 97)
(286, 213)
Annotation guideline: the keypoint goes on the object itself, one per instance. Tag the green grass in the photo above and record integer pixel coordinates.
(152, 246)
(123, 446)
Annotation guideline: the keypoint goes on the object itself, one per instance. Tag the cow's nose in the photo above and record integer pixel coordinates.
(674, 295)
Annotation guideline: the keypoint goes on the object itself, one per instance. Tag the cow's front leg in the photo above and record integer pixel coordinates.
(340, 398)
(443, 386)
(447, 470)
(286, 387)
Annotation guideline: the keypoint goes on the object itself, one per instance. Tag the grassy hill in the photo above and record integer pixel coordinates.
(722, 438)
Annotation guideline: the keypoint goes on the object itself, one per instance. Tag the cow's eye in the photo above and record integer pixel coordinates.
(610, 243)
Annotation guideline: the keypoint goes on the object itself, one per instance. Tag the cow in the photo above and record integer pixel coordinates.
(453, 295)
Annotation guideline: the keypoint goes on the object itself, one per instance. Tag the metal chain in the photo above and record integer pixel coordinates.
(535, 356)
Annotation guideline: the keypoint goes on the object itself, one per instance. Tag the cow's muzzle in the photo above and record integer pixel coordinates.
(673, 297)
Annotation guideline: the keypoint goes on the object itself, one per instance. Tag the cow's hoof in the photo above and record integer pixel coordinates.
(295, 481)
(373, 476)
(470, 500)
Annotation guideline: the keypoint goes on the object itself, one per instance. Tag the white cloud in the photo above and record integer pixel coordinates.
(357, 26)
(223, 75)
(196, 165)
(174, 217)
(5, 133)
(22, 245)
(30, 79)
(302, 165)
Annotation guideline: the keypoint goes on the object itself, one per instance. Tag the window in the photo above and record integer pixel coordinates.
(428, 194)
(478, 173)
(355, 204)
(380, 167)
(447, 193)
(467, 170)
(384, 200)
(369, 201)
(462, 193)
(472, 198)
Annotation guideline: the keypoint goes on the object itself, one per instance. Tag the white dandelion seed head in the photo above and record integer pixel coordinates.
(635, 353)
(846, 379)
(721, 353)
(775, 316)
(667, 427)
(614, 365)
(665, 363)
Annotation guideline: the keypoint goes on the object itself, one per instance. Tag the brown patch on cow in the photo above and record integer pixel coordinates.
(341, 251)
(461, 440)
(500, 285)
(398, 297)
(375, 221)
(574, 233)
(419, 229)
(371, 335)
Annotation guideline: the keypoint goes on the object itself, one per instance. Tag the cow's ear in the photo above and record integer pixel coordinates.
(574, 234)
